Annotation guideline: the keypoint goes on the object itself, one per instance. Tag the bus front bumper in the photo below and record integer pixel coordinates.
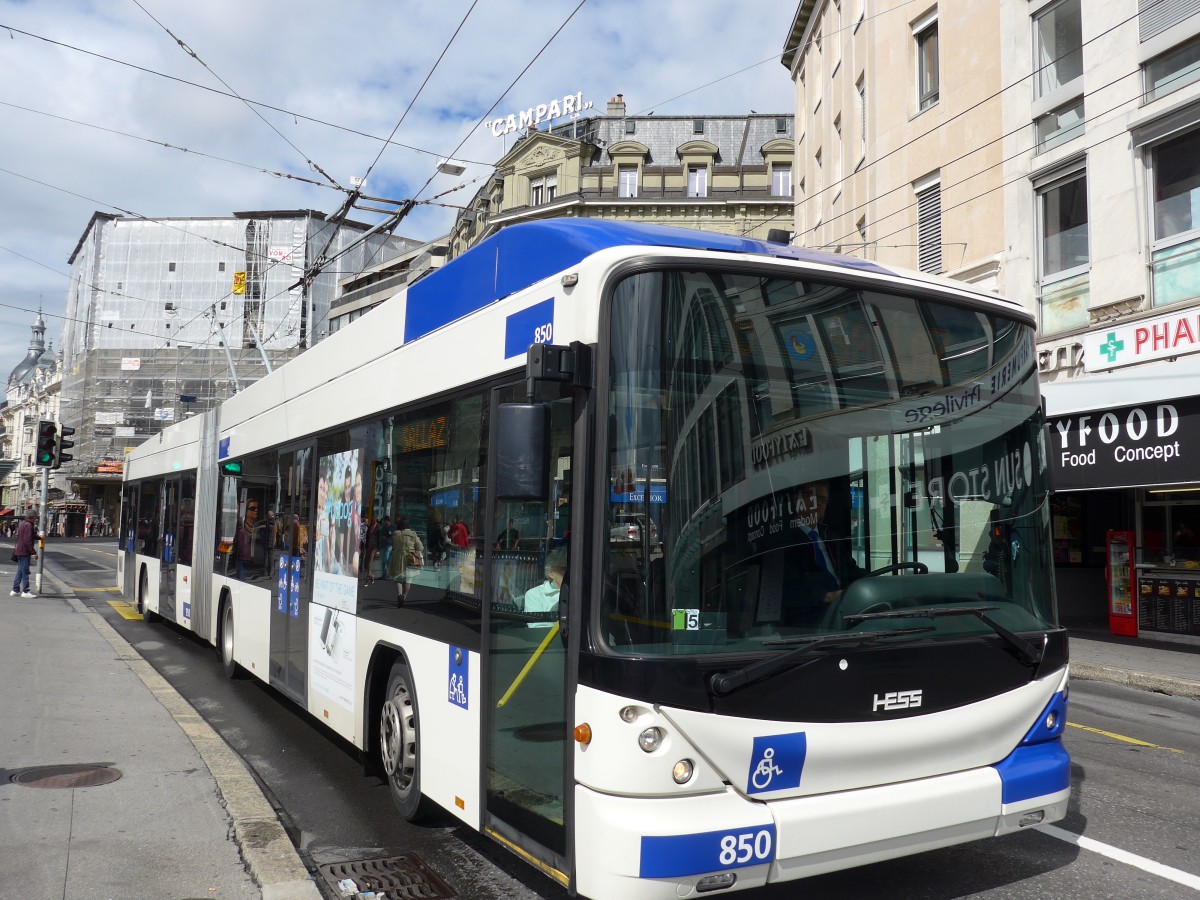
(695, 846)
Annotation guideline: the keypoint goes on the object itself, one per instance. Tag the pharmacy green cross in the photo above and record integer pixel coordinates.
(1112, 347)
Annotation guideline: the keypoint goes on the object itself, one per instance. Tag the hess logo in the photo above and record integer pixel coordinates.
(894, 700)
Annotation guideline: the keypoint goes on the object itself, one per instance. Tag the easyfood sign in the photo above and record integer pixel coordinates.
(1147, 445)
(1163, 336)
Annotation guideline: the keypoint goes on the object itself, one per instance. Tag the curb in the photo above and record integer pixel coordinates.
(269, 855)
(1162, 684)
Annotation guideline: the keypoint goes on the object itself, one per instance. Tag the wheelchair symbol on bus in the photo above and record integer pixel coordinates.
(766, 770)
(776, 762)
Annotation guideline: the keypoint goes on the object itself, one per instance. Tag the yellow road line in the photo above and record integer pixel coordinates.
(94, 590)
(1121, 737)
(125, 610)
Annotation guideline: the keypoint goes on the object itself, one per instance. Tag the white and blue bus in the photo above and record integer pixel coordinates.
(675, 562)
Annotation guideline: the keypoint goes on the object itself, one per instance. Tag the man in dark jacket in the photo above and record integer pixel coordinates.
(24, 550)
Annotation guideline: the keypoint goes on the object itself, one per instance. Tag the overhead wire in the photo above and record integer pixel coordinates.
(258, 103)
(196, 56)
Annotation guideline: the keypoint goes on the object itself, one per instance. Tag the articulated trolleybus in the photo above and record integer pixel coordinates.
(674, 562)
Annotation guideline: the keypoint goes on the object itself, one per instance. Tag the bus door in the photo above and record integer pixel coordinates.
(129, 506)
(169, 516)
(527, 736)
(293, 574)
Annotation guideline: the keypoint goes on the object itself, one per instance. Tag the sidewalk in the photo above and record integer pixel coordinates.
(179, 817)
(1163, 666)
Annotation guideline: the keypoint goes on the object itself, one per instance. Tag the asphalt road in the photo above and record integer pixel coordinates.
(1135, 780)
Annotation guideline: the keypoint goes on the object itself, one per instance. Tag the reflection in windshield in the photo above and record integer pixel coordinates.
(785, 454)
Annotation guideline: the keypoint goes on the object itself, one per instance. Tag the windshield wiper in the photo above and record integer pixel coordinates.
(727, 682)
(1027, 651)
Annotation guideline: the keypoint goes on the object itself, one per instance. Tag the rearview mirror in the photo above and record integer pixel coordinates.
(522, 451)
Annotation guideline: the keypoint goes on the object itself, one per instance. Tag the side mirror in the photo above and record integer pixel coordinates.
(522, 451)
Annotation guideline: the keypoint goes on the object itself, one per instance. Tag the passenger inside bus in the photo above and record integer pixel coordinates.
(544, 597)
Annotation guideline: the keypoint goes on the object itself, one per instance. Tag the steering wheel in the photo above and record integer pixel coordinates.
(832, 617)
(919, 567)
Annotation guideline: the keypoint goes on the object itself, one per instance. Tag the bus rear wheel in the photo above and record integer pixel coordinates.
(226, 646)
(143, 591)
(399, 744)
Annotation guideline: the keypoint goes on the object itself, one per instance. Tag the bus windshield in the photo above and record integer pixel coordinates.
(790, 458)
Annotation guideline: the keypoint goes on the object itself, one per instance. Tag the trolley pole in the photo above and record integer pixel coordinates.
(41, 532)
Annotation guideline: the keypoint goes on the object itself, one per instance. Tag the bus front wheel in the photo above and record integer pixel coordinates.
(399, 743)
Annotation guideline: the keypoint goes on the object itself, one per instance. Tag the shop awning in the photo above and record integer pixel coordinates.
(6, 512)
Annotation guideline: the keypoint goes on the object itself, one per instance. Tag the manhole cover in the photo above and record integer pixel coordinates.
(542, 733)
(399, 876)
(66, 776)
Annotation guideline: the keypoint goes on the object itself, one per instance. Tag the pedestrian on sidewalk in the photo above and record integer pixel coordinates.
(23, 552)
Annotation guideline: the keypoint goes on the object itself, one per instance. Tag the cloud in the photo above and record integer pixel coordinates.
(339, 77)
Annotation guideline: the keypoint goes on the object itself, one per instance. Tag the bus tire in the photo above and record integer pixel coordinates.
(399, 744)
(143, 590)
(225, 642)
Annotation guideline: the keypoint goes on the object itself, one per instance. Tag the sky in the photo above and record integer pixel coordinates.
(131, 107)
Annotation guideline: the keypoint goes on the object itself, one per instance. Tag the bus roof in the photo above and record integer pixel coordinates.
(525, 253)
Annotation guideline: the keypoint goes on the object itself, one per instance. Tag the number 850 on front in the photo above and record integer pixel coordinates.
(676, 855)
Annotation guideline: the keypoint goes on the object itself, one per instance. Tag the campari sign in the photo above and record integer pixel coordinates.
(1142, 341)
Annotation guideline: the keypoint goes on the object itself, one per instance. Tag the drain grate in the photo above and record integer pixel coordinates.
(399, 876)
(65, 776)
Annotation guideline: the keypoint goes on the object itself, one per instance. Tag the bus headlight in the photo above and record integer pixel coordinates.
(1051, 720)
(650, 739)
(682, 773)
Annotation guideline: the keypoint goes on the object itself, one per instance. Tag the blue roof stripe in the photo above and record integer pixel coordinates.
(522, 254)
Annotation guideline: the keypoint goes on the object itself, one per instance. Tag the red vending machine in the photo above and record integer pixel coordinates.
(1122, 583)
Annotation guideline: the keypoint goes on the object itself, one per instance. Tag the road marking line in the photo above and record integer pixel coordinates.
(125, 610)
(1121, 737)
(93, 590)
(1131, 859)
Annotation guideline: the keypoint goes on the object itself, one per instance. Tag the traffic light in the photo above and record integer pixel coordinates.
(47, 441)
(64, 431)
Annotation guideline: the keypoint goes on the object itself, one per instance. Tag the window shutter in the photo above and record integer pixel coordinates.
(929, 230)
(1156, 16)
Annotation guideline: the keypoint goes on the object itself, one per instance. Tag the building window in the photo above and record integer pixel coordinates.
(1175, 256)
(861, 88)
(1059, 126)
(541, 190)
(220, 267)
(630, 126)
(929, 227)
(926, 36)
(781, 126)
(1065, 255)
(1173, 70)
(781, 180)
(170, 267)
(697, 178)
(1057, 47)
(1058, 74)
(627, 181)
(697, 126)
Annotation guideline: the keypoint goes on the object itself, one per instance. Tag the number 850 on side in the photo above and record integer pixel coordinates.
(676, 855)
